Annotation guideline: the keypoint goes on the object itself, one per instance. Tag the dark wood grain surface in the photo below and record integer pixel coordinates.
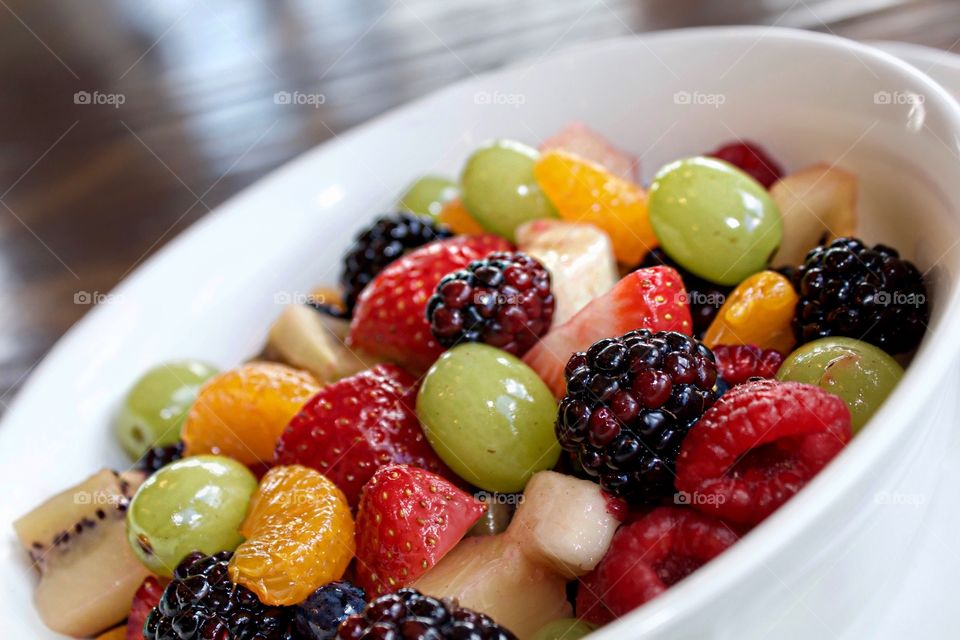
(181, 111)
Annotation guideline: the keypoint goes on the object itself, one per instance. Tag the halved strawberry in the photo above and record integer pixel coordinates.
(408, 519)
(652, 298)
(354, 426)
(389, 319)
(580, 139)
(145, 599)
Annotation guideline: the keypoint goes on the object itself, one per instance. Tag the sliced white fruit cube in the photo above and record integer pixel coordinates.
(579, 258)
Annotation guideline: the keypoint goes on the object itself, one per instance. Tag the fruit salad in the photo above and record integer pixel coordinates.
(539, 396)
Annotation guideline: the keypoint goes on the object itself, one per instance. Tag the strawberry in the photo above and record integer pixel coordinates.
(583, 141)
(389, 319)
(355, 425)
(145, 599)
(408, 519)
(652, 298)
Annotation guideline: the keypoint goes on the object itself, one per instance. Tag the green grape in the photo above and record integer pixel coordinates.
(713, 219)
(489, 417)
(564, 629)
(155, 407)
(427, 195)
(194, 504)
(499, 190)
(860, 373)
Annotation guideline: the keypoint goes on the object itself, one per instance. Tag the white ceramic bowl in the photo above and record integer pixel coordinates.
(816, 565)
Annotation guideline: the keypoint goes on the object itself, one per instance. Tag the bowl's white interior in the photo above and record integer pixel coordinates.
(213, 292)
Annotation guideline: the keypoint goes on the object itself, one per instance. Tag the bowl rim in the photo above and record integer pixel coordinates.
(790, 522)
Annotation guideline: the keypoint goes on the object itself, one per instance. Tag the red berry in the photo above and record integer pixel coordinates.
(646, 557)
(356, 425)
(652, 298)
(740, 362)
(752, 160)
(758, 446)
(390, 320)
(408, 519)
(146, 598)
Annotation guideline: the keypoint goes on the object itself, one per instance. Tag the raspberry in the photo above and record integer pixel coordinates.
(407, 613)
(202, 603)
(630, 401)
(388, 238)
(740, 362)
(758, 446)
(704, 298)
(849, 289)
(503, 300)
(158, 457)
(646, 557)
(752, 160)
(318, 617)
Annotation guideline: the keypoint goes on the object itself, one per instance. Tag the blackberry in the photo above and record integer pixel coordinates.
(630, 401)
(503, 300)
(318, 617)
(871, 294)
(408, 614)
(704, 297)
(388, 238)
(158, 457)
(203, 603)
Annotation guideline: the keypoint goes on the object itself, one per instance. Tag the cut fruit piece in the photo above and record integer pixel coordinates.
(309, 339)
(146, 598)
(652, 298)
(117, 633)
(647, 556)
(579, 258)
(579, 139)
(759, 312)
(241, 413)
(300, 536)
(564, 629)
(77, 540)
(586, 192)
(456, 216)
(564, 522)
(817, 204)
(492, 575)
(407, 521)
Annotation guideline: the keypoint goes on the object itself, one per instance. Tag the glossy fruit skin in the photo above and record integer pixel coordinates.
(319, 616)
(489, 417)
(564, 629)
(858, 372)
(499, 190)
(193, 504)
(357, 425)
(299, 536)
(390, 319)
(652, 298)
(159, 457)
(154, 409)
(868, 293)
(242, 412)
(408, 613)
(145, 599)
(713, 219)
(758, 312)
(704, 298)
(407, 521)
(750, 158)
(630, 402)
(760, 444)
(647, 556)
(586, 192)
(427, 195)
(738, 363)
(504, 300)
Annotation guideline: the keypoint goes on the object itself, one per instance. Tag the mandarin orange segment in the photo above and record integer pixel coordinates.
(241, 413)
(757, 312)
(455, 215)
(300, 536)
(583, 191)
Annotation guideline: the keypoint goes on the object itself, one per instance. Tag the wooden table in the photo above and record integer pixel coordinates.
(124, 121)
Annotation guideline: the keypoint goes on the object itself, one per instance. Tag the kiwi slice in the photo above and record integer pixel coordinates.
(77, 542)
